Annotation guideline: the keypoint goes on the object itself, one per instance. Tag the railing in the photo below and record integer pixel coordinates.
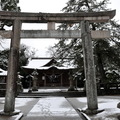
(108, 88)
(3, 89)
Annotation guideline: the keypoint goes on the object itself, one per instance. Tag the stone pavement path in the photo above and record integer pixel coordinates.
(49, 108)
(52, 108)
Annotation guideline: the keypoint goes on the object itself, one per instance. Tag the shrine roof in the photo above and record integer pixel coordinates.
(45, 63)
(3, 72)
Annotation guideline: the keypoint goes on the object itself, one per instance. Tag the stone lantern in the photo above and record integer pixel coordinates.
(71, 87)
(35, 74)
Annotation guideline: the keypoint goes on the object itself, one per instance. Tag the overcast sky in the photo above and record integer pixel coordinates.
(49, 6)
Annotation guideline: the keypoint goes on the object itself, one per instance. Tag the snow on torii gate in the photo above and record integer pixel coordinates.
(51, 18)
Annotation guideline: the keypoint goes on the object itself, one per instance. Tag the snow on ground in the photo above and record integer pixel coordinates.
(22, 101)
(110, 108)
(19, 102)
(51, 90)
(108, 103)
(44, 90)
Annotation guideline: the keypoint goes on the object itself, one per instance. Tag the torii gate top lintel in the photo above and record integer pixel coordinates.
(52, 18)
(58, 17)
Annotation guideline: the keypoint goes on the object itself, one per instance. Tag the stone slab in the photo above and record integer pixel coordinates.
(53, 107)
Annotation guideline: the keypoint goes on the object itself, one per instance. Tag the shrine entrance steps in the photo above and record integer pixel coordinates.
(51, 92)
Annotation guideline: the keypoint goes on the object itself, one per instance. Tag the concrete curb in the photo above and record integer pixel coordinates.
(84, 116)
(14, 117)
(19, 116)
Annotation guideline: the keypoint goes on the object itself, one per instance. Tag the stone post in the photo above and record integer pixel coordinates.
(71, 88)
(44, 79)
(89, 67)
(35, 74)
(30, 83)
(9, 107)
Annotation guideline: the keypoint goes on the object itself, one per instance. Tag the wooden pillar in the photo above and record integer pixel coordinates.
(89, 67)
(44, 79)
(9, 107)
(61, 81)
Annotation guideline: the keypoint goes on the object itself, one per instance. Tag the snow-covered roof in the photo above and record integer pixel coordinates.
(36, 63)
(40, 64)
(3, 72)
(46, 68)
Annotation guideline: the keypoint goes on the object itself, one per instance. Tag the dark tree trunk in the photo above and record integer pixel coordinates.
(101, 68)
(103, 78)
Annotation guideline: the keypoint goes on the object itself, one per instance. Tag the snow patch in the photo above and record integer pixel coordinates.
(22, 101)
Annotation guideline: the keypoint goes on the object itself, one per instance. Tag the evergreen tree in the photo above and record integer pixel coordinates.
(24, 55)
(106, 51)
(4, 59)
(9, 5)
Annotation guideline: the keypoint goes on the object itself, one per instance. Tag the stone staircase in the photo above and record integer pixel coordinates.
(50, 94)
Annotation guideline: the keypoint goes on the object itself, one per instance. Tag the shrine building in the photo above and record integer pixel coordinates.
(50, 72)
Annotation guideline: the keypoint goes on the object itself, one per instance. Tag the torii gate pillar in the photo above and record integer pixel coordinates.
(89, 67)
(12, 70)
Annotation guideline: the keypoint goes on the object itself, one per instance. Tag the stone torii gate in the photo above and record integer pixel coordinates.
(51, 18)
